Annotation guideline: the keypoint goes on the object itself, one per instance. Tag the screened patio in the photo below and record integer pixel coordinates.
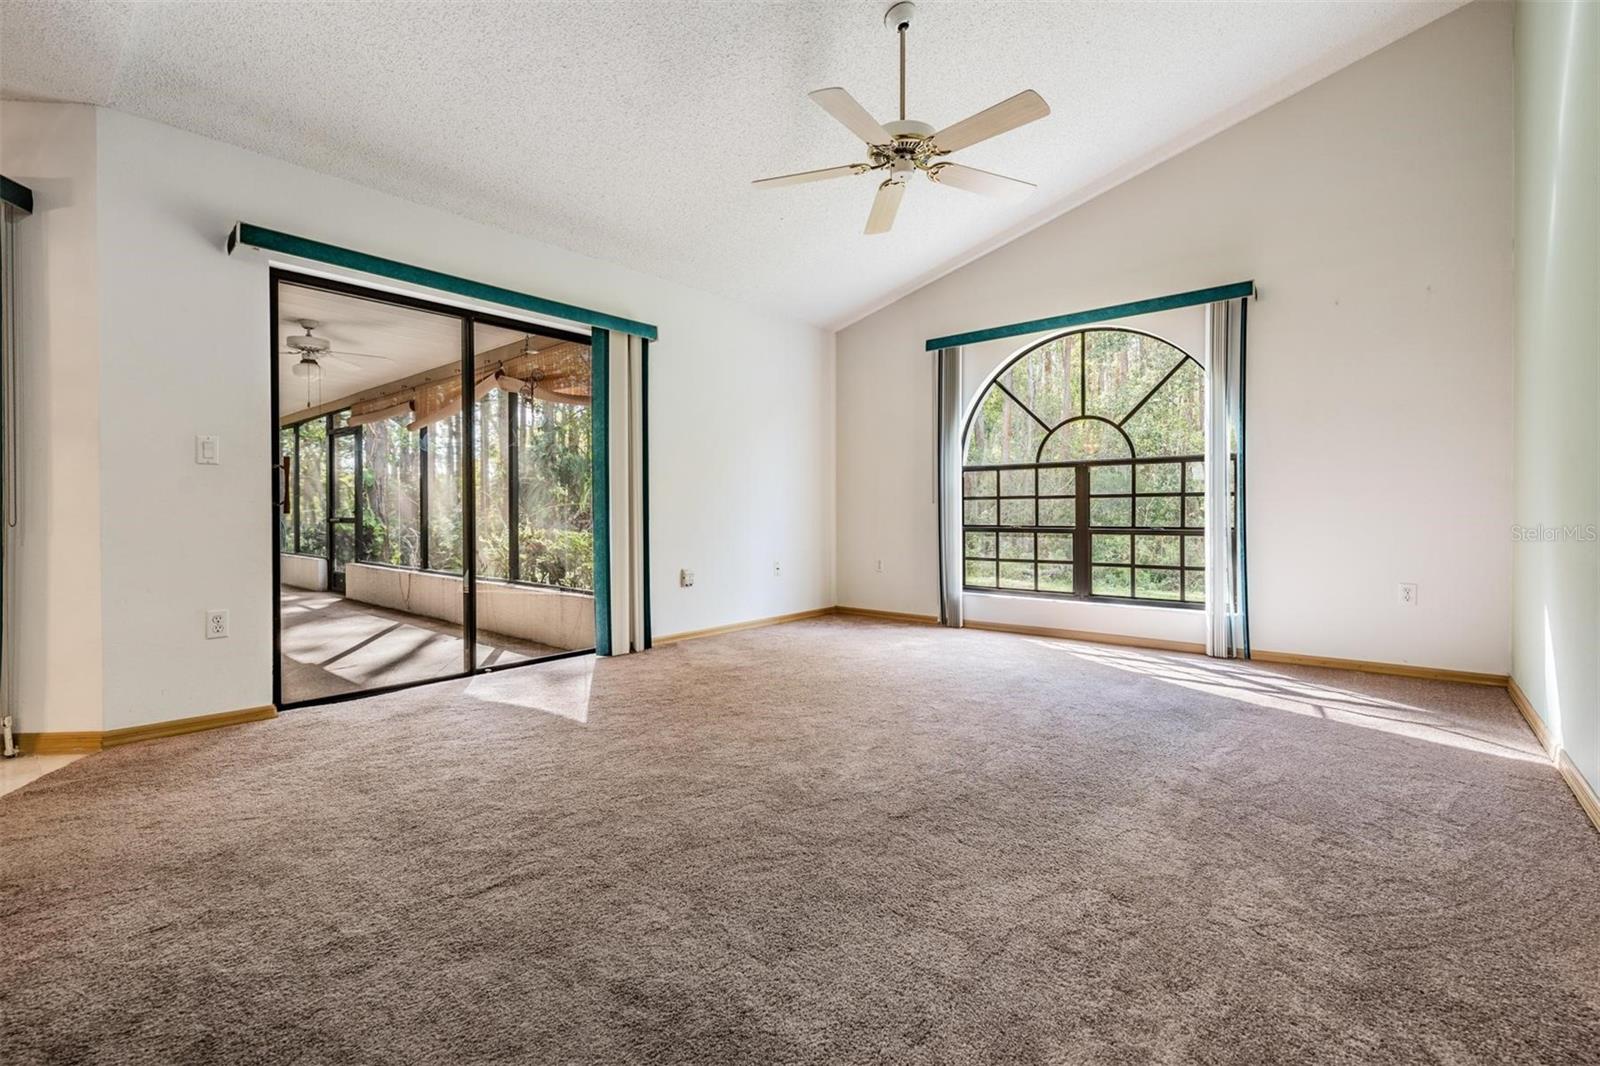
(374, 529)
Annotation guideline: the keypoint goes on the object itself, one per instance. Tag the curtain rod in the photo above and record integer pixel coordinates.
(1099, 314)
(259, 237)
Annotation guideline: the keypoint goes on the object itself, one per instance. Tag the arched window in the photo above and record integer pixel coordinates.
(1084, 472)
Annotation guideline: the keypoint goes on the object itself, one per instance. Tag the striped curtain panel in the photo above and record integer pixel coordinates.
(948, 490)
(621, 577)
(1227, 622)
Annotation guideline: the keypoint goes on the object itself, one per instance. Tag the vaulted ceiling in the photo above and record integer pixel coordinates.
(631, 131)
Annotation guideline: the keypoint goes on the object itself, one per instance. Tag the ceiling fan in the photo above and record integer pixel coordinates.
(311, 349)
(905, 147)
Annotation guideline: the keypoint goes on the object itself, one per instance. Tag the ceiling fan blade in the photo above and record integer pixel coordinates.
(980, 181)
(811, 175)
(335, 357)
(842, 106)
(884, 206)
(355, 355)
(1021, 109)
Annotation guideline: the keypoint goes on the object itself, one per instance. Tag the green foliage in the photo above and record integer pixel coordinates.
(1082, 386)
(312, 476)
(555, 524)
(391, 472)
(555, 502)
(445, 516)
(286, 520)
(1172, 421)
(563, 557)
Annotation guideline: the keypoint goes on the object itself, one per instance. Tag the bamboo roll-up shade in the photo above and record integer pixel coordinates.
(435, 401)
(557, 374)
(561, 372)
(430, 412)
(486, 386)
(539, 392)
(378, 410)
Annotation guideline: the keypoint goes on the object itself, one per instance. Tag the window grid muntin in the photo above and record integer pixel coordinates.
(1082, 534)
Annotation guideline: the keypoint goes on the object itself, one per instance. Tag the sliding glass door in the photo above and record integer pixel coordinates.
(534, 524)
(436, 509)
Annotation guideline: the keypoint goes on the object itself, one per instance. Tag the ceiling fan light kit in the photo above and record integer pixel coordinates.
(906, 147)
(309, 350)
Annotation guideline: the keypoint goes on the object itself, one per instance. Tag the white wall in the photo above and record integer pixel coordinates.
(1556, 648)
(1374, 211)
(53, 648)
(741, 411)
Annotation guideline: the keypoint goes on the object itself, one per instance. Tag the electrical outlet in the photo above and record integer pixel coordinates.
(207, 450)
(686, 579)
(777, 569)
(1408, 594)
(216, 624)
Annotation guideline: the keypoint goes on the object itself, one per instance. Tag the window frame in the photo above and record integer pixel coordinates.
(1083, 531)
(329, 419)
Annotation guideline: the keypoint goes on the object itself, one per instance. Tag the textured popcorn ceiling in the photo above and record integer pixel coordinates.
(631, 131)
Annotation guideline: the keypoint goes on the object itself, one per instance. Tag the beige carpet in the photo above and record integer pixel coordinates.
(332, 645)
(835, 841)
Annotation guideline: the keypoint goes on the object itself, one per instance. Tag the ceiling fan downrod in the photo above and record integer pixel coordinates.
(899, 16)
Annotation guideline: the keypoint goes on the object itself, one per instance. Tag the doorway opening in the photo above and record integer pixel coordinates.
(434, 509)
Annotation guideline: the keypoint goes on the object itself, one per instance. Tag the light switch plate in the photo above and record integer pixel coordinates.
(207, 449)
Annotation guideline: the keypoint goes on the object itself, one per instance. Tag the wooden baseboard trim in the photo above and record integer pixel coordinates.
(85, 742)
(1519, 700)
(798, 616)
(79, 743)
(115, 738)
(889, 616)
(1426, 673)
(1089, 637)
(1582, 791)
(754, 623)
(1587, 799)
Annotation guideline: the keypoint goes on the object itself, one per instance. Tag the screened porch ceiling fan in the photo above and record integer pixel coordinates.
(905, 147)
(311, 349)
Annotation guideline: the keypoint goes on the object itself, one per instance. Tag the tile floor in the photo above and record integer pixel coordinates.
(14, 773)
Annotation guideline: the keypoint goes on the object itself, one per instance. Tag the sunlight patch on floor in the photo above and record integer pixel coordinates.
(331, 645)
(560, 687)
(1281, 692)
(24, 769)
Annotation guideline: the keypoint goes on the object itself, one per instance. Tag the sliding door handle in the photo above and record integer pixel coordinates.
(283, 486)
